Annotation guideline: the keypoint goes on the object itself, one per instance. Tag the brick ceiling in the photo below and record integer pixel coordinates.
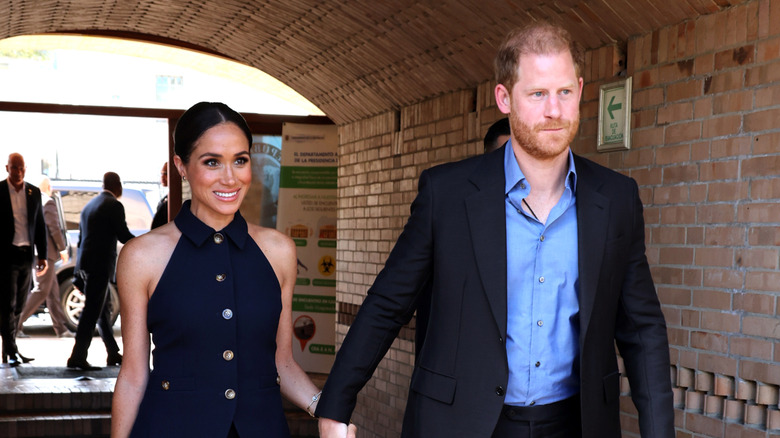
(353, 59)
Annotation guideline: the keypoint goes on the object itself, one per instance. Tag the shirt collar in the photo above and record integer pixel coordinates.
(514, 176)
(198, 232)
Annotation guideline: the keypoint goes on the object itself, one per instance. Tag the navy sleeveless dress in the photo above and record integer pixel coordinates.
(213, 319)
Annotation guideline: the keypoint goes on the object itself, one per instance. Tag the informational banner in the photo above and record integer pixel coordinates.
(307, 213)
(260, 204)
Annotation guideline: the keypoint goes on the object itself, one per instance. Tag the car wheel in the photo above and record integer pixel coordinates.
(73, 300)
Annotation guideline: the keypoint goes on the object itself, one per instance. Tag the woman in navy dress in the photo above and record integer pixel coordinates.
(215, 293)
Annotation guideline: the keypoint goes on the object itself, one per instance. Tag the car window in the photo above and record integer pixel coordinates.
(138, 213)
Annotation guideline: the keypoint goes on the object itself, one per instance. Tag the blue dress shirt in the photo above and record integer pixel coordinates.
(542, 340)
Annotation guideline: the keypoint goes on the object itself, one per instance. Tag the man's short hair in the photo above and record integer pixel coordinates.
(536, 39)
(497, 129)
(111, 181)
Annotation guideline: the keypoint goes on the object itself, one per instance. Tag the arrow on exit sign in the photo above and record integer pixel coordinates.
(613, 107)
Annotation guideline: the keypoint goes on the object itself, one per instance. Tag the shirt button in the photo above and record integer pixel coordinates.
(499, 390)
(166, 385)
(221, 277)
(500, 340)
(541, 279)
(228, 355)
(532, 403)
(538, 364)
(218, 238)
(227, 313)
(278, 380)
(230, 394)
(522, 186)
(541, 238)
(540, 323)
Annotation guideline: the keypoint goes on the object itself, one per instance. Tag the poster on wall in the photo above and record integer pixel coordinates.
(260, 204)
(307, 213)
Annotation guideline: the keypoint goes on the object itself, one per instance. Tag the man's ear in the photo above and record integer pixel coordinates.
(503, 99)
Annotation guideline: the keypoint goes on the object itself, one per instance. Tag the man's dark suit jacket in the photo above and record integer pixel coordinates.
(102, 224)
(36, 227)
(456, 239)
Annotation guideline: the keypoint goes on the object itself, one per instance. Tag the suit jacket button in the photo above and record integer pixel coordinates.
(499, 390)
(166, 385)
(230, 394)
(218, 238)
(227, 355)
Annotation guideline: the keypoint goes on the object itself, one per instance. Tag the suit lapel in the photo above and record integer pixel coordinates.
(592, 223)
(487, 224)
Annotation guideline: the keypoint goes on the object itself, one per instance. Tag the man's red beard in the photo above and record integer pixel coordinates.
(543, 145)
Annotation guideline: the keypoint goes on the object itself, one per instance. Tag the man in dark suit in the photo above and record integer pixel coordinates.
(102, 224)
(22, 227)
(537, 269)
(161, 215)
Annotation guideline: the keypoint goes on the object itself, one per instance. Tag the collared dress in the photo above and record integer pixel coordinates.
(213, 319)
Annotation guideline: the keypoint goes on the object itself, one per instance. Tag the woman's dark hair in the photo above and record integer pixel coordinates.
(200, 118)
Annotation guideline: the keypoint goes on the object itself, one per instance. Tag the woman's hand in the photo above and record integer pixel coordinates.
(335, 429)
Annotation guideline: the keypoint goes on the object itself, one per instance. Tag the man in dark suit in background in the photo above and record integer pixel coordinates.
(537, 269)
(102, 224)
(22, 227)
(161, 215)
(497, 135)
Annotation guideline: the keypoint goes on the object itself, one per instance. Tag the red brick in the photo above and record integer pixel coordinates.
(762, 280)
(669, 235)
(682, 132)
(698, 193)
(719, 170)
(733, 102)
(716, 213)
(769, 96)
(695, 235)
(673, 154)
(754, 303)
(765, 188)
(674, 296)
(763, 74)
(647, 176)
(683, 90)
(690, 318)
(710, 256)
(723, 82)
(758, 371)
(715, 363)
(710, 341)
(678, 336)
(670, 195)
(643, 118)
(651, 97)
(720, 321)
(704, 64)
(753, 348)
(731, 147)
(679, 174)
(762, 120)
(675, 113)
(711, 299)
(761, 166)
(758, 212)
(768, 50)
(671, 315)
(764, 236)
(647, 137)
(646, 79)
(723, 278)
(727, 191)
(757, 258)
(676, 256)
(702, 107)
(766, 143)
(663, 275)
(765, 327)
(744, 431)
(724, 236)
(734, 57)
(678, 215)
(693, 277)
(721, 126)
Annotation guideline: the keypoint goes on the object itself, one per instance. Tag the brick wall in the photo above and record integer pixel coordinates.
(706, 154)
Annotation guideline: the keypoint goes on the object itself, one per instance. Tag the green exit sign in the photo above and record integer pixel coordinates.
(615, 116)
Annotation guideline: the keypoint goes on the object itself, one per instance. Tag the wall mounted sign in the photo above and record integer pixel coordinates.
(615, 116)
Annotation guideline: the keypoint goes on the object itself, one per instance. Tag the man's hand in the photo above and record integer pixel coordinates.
(41, 267)
(334, 429)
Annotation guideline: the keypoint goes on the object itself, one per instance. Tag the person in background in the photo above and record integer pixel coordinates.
(46, 287)
(215, 294)
(497, 135)
(21, 228)
(161, 215)
(537, 270)
(102, 223)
